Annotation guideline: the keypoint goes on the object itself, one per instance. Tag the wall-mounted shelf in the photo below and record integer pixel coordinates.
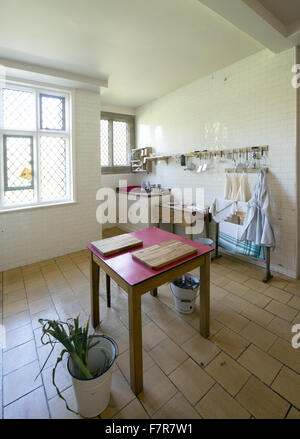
(247, 170)
(138, 159)
(224, 152)
(157, 158)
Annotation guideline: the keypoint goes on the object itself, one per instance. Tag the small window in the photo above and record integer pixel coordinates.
(52, 112)
(18, 109)
(18, 169)
(117, 140)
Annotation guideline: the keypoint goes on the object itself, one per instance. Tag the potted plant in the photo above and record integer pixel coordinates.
(89, 363)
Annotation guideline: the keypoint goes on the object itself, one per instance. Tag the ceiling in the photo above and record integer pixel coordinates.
(287, 11)
(273, 23)
(145, 48)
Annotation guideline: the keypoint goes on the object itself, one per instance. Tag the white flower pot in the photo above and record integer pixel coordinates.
(93, 394)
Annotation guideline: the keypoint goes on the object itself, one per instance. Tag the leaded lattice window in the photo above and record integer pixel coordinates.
(35, 154)
(116, 142)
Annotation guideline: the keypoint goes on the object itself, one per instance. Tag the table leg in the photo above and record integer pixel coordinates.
(205, 297)
(135, 342)
(154, 292)
(108, 291)
(94, 291)
(206, 221)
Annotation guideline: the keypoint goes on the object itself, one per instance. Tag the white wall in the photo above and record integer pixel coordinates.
(36, 234)
(248, 103)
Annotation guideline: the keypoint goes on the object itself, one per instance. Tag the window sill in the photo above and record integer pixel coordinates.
(37, 206)
(116, 170)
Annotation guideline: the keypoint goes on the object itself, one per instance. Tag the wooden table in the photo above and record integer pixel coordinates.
(137, 279)
(183, 216)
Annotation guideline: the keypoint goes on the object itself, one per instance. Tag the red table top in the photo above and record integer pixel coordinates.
(133, 271)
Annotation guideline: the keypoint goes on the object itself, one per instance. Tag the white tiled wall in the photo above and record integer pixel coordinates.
(248, 103)
(33, 235)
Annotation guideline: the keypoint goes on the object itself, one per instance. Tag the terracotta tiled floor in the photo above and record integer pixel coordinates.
(247, 368)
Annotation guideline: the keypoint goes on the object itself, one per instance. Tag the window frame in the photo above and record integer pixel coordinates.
(36, 133)
(118, 117)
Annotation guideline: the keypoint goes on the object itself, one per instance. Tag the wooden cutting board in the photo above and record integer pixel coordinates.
(109, 246)
(159, 255)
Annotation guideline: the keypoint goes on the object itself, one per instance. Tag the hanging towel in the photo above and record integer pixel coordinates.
(228, 187)
(243, 192)
(235, 188)
(257, 226)
(222, 209)
(230, 238)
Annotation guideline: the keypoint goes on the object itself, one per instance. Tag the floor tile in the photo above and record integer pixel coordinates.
(37, 294)
(232, 320)
(217, 292)
(256, 285)
(16, 321)
(201, 349)
(191, 380)
(284, 352)
(258, 335)
(14, 296)
(280, 327)
(228, 373)
(236, 288)
(257, 298)
(44, 351)
(121, 337)
(123, 362)
(18, 336)
(295, 303)
(237, 276)
(277, 294)
(14, 307)
(260, 364)
(277, 283)
(158, 389)
(281, 310)
(63, 379)
(293, 288)
(49, 313)
(235, 302)
(152, 335)
(258, 315)
(177, 408)
(21, 382)
(134, 410)
(178, 330)
(168, 355)
(230, 342)
(58, 408)
(20, 356)
(218, 404)
(31, 406)
(261, 401)
(121, 395)
(293, 414)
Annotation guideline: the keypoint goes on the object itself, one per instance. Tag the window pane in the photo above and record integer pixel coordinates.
(104, 143)
(18, 171)
(53, 168)
(18, 109)
(120, 143)
(52, 112)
